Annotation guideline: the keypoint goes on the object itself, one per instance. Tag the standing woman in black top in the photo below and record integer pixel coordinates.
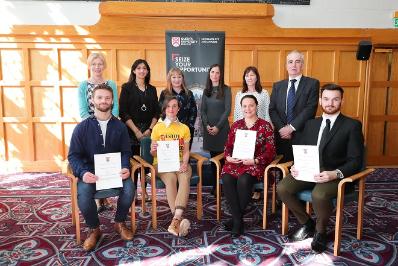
(176, 87)
(138, 104)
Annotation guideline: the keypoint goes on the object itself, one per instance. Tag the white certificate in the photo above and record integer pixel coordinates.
(107, 168)
(168, 154)
(306, 162)
(245, 144)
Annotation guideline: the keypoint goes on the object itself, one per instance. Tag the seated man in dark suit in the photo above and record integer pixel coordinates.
(101, 133)
(341, 147)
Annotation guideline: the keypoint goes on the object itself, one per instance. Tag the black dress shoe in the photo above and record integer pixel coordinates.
(319, 243)
(236, 233)
(305, 231)
(228, 224)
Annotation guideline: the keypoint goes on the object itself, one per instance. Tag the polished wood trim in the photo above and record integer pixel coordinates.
(172, 9)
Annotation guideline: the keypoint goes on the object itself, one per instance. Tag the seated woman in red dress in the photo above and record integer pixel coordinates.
(239, 175)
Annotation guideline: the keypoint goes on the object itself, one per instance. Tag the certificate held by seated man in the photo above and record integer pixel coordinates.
(107, 168)
(306, 162)
(245, 144)
(168, 155)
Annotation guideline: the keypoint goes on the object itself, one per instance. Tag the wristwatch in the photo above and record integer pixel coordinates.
(339, 174)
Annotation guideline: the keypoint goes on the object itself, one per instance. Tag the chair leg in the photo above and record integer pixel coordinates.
(361, 198)
(218, 201)
(339, 222)
(308, 208)
(73, 203)
(77, 225)
(132, 215)
(265, 205)
(199, 208)
(143, 181)
(285, 217)
(274, 196)
(154, 207)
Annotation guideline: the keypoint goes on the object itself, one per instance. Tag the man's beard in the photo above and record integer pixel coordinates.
(103, 109)
(335, 109)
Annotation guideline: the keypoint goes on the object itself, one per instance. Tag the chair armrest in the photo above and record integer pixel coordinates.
(357, 176)
(216, 159)
(143, 162)
(197, 157)
(67, 170)
(135, 165)
(284, 167)
(273, 164)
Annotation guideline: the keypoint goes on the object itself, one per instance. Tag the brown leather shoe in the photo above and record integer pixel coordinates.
(123, 231)
(92, 238)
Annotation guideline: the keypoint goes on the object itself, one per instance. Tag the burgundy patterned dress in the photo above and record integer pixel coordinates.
(264, 151)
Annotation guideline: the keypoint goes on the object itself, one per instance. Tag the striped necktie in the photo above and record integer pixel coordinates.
(291, 96)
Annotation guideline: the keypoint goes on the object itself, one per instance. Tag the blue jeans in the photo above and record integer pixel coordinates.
(86, 202)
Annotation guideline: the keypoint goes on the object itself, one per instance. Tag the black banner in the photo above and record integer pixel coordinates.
(194, 52)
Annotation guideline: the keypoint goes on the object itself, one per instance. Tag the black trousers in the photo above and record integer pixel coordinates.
(238, 192)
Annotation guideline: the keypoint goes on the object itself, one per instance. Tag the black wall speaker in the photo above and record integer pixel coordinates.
(364, 50)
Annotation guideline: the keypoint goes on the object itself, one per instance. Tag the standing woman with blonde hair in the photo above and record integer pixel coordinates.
(96, 64)
(176, 87)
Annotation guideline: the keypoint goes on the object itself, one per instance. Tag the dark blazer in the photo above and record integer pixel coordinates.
(344, 146)
(305, 106)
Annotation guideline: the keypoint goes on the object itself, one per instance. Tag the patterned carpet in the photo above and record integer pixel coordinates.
(36, 229)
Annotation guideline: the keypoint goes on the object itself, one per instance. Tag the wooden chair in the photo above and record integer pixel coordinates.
(106, 193)
(146, 161)
(260, 185)
(342, 197)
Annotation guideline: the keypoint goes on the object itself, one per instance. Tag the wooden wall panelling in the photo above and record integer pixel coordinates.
(383, 111)
(392, 109)
(43, 70)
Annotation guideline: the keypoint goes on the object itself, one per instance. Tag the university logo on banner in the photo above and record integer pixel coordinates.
(175, 41)
(193, 52)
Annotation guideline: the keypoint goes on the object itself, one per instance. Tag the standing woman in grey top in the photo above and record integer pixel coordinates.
(216, 107)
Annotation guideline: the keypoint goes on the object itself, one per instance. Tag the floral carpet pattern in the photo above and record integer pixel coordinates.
(36, 229)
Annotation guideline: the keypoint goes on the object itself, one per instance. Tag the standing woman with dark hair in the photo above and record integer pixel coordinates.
(252, 86)
(176, 87)
(139, 107)
(216, 107)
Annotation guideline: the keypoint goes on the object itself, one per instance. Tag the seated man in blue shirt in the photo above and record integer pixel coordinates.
(99, 134)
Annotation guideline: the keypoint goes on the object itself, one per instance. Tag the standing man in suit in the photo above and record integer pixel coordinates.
(293, 102)
(341, 148)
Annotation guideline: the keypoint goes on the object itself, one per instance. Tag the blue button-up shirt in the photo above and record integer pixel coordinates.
(87, 140)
